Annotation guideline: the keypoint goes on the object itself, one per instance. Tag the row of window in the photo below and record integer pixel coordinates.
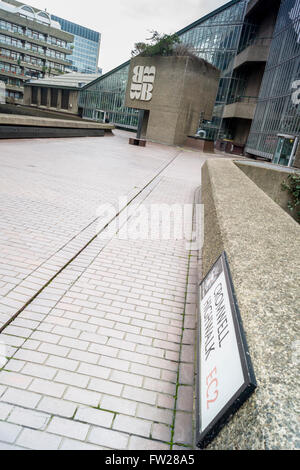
(4, 67)
(5, 25)
(13, 94)
(11, 81)
(58, 55)
(10, 54)
(31, 60)
(31, 47)
(49, 39)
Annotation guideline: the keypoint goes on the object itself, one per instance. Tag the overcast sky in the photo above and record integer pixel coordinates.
(125, 22)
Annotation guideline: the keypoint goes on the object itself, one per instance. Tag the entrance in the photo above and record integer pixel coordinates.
(285, 150)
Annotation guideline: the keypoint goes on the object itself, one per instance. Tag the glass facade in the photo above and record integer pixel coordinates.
(215, 38)
(107, 94)
(278, 112)
(86, 46)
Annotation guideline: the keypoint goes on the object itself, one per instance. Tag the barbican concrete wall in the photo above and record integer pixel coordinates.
(262, 243)
(183, 89)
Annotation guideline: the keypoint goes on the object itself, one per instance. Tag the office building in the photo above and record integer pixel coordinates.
(32, 45)
(86, 49)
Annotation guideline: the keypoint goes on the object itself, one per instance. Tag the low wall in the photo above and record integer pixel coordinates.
(29, 127)
(262, 243)
(269, 180)
(32, 111)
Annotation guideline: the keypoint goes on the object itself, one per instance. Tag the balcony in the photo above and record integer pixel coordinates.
(252, 4)
(253, 52)
(242, 107)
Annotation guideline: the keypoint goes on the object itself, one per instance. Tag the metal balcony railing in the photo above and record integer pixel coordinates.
(242, 99)
(255, 42)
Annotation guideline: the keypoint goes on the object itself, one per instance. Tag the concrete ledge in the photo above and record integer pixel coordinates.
(16, 120)
(263, 247)
(30, 132)
(269, 179)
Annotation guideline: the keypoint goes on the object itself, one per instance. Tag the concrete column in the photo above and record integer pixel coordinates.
(39, 93)
(48, 97)
(59, 99)
(297, 157)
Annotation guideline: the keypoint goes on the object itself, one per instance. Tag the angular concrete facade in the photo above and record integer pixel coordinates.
(175, 92)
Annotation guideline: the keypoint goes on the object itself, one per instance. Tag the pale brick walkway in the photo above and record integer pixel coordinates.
(103, 357)
(49, 193)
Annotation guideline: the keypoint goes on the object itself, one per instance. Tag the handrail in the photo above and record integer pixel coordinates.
(242, 99)
(257, 41)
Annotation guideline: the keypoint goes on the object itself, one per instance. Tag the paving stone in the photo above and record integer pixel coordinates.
(137, 426)
(85, 397)
(108, 438)
(9, 432)
(57, 406)
(29, 418)
(38, 440)
(68, 428)
(183, 430)
(138, 443)
(94, 416)
(21, 397)
(185, 398)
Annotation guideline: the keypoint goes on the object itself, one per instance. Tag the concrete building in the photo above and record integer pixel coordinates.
(32, 45)
(166, 89)
(256, 46)
(248, 71)
(215, 38)
(57, 93)
(85, 56)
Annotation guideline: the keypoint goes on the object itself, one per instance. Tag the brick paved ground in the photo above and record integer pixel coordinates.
(103, 357)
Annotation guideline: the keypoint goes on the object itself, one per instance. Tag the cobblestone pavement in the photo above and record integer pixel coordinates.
(101, 352)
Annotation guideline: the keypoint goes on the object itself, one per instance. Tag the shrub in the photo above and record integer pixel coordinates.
(292, 185)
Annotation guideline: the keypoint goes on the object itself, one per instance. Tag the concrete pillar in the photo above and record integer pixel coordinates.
(59, 99)
(39, 94)
(49, 98)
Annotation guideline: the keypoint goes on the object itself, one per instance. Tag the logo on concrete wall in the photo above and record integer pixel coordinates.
(142, 83)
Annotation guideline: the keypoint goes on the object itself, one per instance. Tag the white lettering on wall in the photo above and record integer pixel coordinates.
(142, 83)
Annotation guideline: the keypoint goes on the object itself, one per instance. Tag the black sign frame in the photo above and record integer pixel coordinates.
(205, 437)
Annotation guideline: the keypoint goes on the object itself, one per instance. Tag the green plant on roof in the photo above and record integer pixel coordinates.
(158, 44)
(164, 45)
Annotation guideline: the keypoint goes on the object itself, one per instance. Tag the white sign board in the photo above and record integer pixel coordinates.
(225, 376)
